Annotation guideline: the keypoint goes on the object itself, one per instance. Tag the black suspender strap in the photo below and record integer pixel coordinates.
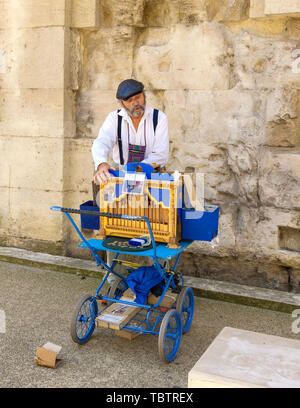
(120, 139)
(155, 120)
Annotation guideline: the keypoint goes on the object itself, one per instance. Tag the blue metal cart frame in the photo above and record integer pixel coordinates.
(168, 323)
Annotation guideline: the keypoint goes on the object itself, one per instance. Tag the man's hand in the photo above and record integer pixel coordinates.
(102, 174)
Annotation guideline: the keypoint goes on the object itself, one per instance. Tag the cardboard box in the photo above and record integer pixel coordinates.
(128, 295)
(47, 355)
(117, 314)
(126, 334)
(167, 301)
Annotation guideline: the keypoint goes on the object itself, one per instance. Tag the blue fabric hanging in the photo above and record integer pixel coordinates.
(142, 280)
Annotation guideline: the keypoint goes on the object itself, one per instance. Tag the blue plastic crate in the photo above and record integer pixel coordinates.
(200, 225)
(90, 222)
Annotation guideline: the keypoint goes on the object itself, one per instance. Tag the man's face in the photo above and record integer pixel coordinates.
(135, 105)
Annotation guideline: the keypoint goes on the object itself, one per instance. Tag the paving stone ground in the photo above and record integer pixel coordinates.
(38, 306)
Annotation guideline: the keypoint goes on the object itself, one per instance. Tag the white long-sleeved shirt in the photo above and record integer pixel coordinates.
(157, 145)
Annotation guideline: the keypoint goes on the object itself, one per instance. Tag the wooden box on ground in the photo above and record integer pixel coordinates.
(168, 300)
(246, 359)
(117, 314)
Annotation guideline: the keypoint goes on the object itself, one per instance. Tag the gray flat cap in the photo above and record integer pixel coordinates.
(128, 88)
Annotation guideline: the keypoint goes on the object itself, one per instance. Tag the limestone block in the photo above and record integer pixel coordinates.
(223, 128)
(264, 62)
(130, 13)
(257, 9)
(289, 238)
(34, 13)
(194, 12)
(35, 58)
(272, 276)
(223, 117)
(170, 12)
(295, 280)
(105, 69)
(279, 177)
(73, 69)
(163, 13)
(228, 10)
(201, 60)
(34, 162)
(269, 222)
(283, 134)
(30, 214)
(85, 13)
(32, 112)
(78, 166)
(282, 105)
(4, 167)
(69, 113)
(4, 210)
(244, 359)
(282, 7)
(91, 110)
(292, 29)
(245, 228)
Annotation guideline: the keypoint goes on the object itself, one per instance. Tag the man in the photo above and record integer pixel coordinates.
(138, 142)
(134, 133)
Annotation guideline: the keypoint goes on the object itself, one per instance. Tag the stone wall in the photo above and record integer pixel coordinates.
(226, 74)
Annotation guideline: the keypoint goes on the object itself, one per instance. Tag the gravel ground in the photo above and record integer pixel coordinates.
(38, 306)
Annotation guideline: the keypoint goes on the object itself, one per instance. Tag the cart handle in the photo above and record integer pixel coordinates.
(110, 215)
(101, 214)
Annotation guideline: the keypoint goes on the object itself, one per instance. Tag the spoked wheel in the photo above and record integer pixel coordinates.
(117, 289)
(83, 320)
(185, 307)
(169, 336)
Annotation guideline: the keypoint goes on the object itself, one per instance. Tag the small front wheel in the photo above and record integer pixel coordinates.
(185, 307)
(169, 336)
(83, 320)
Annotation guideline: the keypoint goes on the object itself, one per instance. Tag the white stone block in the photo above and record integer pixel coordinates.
(265, 62)
(78, 166)
(194, 58)
(31, 217)
(85, 13)
(282, 7)
(257, 9)
(34, 162)
(122, 13)
(108, 58)
(279, 180)
(35, 58)
(39, 112)
(33, 13)
(245, 359)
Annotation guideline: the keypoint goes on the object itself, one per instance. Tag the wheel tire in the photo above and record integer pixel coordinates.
(117, 289)
(185, 307)
(83, 319)
(169, 336)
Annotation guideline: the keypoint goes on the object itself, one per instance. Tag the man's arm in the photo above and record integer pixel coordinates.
(160, 151)
(102, 146)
